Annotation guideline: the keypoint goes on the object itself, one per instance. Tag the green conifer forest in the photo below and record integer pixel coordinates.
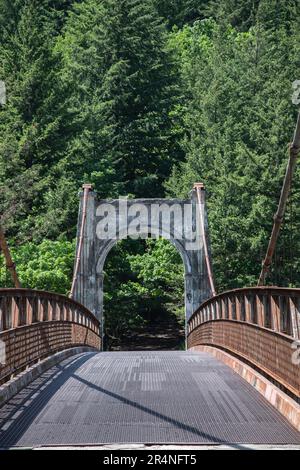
(142, 98)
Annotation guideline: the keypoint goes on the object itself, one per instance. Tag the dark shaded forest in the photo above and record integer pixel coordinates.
(143, 98)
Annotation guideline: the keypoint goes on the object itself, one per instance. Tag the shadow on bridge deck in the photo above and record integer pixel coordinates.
(141, 397)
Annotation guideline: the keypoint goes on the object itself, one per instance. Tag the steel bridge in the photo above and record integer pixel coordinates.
(237, 382)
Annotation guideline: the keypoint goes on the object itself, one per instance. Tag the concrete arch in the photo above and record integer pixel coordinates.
(175, 220)
(104, 250)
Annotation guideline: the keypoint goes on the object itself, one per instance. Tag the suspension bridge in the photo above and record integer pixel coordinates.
(237, 383)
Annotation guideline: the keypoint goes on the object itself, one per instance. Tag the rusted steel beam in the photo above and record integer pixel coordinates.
(278, 218)
(9, 262)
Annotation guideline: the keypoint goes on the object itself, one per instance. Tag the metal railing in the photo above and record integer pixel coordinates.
(259, 325)
(36, 324)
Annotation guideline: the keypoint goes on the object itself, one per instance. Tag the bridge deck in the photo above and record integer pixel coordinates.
(141, 397)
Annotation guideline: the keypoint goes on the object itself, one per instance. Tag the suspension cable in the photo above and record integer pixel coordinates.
(278, 218)
(86, 190)
(200, 188)
(10, 265)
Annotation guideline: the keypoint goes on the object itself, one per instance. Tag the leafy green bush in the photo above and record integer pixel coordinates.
(47, 266)
(143, 282)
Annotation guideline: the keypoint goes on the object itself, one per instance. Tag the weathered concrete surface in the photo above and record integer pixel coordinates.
(142, 397)
(180, 230)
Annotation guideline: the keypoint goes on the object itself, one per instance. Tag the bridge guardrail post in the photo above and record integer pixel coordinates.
(29, 311)
(247, 308)
(260, 310)
(275, 314)
(1, 315)
(49, 310)
(295, 317)
(229, 308)
(238, 307)
(15, 312)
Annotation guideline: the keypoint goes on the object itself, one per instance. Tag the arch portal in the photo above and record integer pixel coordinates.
(108, 221)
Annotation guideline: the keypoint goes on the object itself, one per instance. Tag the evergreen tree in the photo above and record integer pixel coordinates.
(241, 14)
(274, 15)
(111, 92)
(180, 12)
(122, 91)
(30, 143)
(238, 122)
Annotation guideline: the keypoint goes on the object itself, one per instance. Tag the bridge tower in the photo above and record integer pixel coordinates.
(101, 223)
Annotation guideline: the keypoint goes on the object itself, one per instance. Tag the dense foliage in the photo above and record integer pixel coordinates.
(139, 285)
(143, 98)
(45, 266)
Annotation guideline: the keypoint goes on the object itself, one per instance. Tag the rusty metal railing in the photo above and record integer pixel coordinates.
(36, 324)
(259, 325)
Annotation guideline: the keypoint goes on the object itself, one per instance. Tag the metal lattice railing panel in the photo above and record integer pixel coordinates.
(37, 324)
(259, 325)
